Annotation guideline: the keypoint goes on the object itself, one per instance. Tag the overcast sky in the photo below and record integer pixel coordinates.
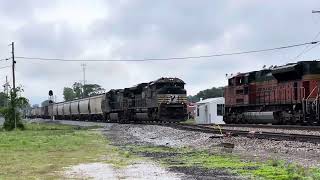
(135, 29)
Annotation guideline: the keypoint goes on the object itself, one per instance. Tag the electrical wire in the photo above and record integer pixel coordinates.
(310, 48)
(6, 59)
(305, 50)
(169, 58)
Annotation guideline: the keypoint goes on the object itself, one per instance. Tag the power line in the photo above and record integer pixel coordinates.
(6, 59)
(311, 48)
(305, 50)
(169, 58)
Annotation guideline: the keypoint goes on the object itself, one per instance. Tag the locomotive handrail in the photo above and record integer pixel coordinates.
(311, 93)
(304, 92)
(307, 109)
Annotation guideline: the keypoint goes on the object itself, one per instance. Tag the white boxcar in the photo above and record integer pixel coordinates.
(66, 109)
(84, 106)
(95, 104)
(74, 107)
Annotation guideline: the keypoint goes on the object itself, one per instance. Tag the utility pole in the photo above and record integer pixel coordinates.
(13, 85)
(84, 77)
(6, 89)
(13, 67)
(84, 73)
(315, 11)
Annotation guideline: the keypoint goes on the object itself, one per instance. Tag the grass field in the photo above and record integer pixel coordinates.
(41, 151)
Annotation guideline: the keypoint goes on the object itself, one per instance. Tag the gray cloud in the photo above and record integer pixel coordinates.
(151, 29)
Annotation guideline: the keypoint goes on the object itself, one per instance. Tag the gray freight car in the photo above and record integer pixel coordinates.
(84, 109)
(74, 110)
(95, 107)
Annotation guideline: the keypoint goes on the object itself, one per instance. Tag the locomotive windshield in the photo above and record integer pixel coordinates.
(170, 88)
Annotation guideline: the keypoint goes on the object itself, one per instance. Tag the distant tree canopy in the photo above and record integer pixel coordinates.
(68, 94)
(45, 103)
(208, 93)
(3, 99)
(79, 91)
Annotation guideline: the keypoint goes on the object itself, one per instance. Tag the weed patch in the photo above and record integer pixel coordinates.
(187, 158)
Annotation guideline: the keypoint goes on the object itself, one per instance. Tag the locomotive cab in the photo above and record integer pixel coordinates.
(171, 99)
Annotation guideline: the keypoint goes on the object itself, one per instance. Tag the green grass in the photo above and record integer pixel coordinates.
(189, 121)
(273, 169)
(42, 150)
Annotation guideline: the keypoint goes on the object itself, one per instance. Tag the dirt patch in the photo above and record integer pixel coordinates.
(145, 170)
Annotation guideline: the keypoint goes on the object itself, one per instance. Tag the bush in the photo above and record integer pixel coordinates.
(10, 113)
(9, 123)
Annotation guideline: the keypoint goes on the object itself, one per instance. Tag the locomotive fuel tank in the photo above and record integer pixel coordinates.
(268, 117)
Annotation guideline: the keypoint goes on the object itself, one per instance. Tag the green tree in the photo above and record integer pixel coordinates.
(68, 94)
(80, 91)
(3, 99)
(11, 114)
(45, 103)
(92, 89)
(77, 89)
(208, 93)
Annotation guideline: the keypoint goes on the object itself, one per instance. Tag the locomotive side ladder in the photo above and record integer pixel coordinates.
(309, 103)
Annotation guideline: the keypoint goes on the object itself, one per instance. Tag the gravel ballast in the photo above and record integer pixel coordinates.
(305, 154)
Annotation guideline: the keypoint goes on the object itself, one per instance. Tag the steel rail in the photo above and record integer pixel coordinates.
(259, 135)
(267, 126)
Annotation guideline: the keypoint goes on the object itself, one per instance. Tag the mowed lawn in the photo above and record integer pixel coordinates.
(42, 150)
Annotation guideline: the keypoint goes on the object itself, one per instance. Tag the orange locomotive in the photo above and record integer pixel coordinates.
(287, 94)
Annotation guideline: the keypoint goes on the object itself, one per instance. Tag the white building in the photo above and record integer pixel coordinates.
(210, 111)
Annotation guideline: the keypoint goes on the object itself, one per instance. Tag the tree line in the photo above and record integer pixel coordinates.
(208, 93)
(78, 91)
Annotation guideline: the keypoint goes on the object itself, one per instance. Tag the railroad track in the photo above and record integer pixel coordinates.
(267, 126)
(259, 135)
